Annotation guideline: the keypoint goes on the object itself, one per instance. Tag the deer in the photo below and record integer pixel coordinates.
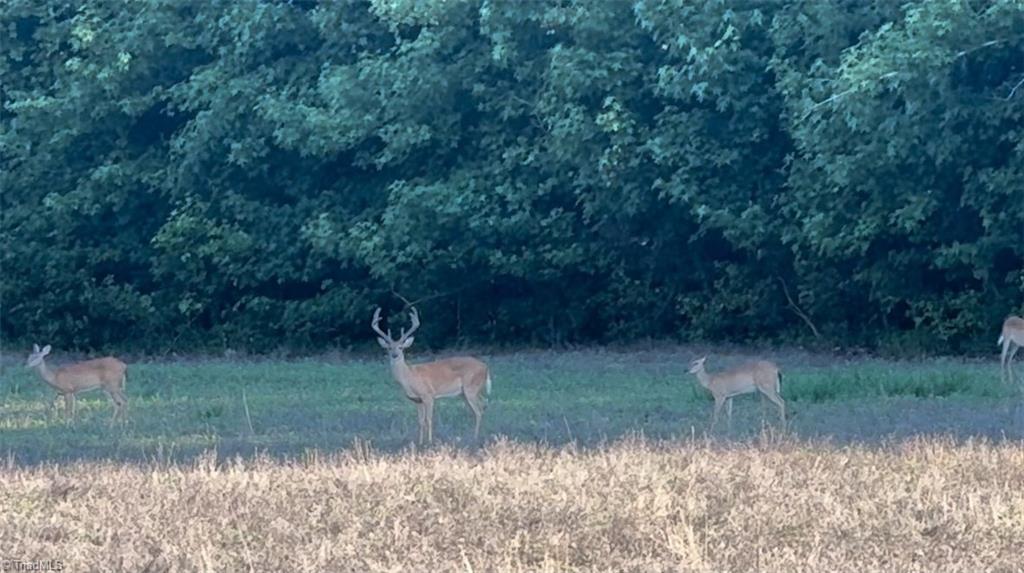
(424, 383)
(1011, 339)
(108, 373)
(763, 376)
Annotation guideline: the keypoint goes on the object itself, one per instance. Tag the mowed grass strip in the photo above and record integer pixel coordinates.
(178, 410)
(633, 505)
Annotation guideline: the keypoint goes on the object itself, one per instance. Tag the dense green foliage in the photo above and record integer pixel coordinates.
(182, 174)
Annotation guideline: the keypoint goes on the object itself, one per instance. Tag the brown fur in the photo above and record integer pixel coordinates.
(108, 374)
(423, 383)
(761, 376)
(1012, 339)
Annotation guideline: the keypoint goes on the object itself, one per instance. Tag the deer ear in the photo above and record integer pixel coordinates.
(408, 342)
(383, 343)
(35, 348)
(46, 349)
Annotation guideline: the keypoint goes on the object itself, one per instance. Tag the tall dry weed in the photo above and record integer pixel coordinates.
(924, 505)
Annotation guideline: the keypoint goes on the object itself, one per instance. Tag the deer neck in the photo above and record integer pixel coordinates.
(47, 375)
(403, 374)
(704, 378)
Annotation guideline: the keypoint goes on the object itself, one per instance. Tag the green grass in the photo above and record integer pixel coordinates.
(178, 410)
(880, 379)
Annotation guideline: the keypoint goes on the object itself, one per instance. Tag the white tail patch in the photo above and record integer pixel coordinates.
(488, 383)
(1000, 343)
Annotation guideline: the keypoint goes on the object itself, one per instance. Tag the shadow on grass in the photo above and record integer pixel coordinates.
(293, 435)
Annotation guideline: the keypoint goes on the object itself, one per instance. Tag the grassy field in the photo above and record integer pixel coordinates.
(589, 460)
(181, 409)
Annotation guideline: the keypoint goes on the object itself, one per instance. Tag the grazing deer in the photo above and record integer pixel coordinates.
(106, 373)
(1011, 338)
(760, 376)
(423, 383)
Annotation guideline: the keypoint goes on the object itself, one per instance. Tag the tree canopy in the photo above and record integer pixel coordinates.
(189, 174)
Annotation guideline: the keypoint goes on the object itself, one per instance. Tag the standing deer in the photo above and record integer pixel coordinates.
(1011, 338)
(760, 376)
(107, 373)
(423, 383)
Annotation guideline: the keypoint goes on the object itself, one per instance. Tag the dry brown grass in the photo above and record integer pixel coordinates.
(926, 505)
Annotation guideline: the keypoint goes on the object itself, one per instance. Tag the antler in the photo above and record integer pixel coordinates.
(375, 325)
(415, 317)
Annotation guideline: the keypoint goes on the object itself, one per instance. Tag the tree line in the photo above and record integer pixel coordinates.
(257, 174)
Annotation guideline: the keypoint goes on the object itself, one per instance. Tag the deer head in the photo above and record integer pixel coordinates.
(394, 347)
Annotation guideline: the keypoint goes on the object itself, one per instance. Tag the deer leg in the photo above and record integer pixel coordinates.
(118, 399)
(69, 407)
(53, 404)
(728, 413)
(428, 406)
(774, 397)
(719, 402)
(1002, 359)
(122, 397)
(1009, 362)
(113, 402)
(124, 403)
(420, 421)
(476, 405)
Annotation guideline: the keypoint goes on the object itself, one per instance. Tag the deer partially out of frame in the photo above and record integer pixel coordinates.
(423, 383)
(1011, 339)
(106, 373)
(760, 376)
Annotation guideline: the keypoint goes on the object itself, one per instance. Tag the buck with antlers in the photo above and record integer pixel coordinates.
(762, 376)
(1011, 339)
(423, 383)
(107, 373)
